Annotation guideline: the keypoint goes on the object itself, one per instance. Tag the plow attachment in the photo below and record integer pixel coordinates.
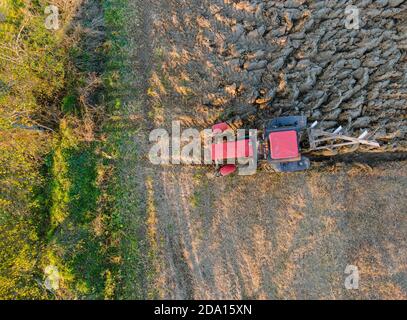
(321, 140)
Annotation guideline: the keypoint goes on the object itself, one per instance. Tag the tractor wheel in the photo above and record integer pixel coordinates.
(227, 170)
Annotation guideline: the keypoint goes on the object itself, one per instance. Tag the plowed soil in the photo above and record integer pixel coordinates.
(254, 60)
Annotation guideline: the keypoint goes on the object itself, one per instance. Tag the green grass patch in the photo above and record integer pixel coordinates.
(129, 220)
(76, 237)
(63, 201)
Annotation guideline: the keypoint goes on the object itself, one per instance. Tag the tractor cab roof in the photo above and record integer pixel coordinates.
(284, 145)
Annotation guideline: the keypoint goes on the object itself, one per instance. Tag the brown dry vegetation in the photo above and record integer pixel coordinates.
(283, 236)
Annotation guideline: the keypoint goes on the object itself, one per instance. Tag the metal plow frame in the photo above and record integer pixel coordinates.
(323, 140)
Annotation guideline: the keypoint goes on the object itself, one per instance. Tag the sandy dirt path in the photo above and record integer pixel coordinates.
(266, 236)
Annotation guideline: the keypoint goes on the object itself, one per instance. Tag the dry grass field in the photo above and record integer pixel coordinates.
(275, 236)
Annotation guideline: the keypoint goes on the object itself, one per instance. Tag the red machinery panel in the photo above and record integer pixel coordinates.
(220, 127)
(227, 170)
(284, 145)
(232, 150)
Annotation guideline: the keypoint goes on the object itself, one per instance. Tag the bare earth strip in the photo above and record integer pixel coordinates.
(286, 236)
(269, 236)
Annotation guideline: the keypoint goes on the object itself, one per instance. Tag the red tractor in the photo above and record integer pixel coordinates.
(279, 144)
